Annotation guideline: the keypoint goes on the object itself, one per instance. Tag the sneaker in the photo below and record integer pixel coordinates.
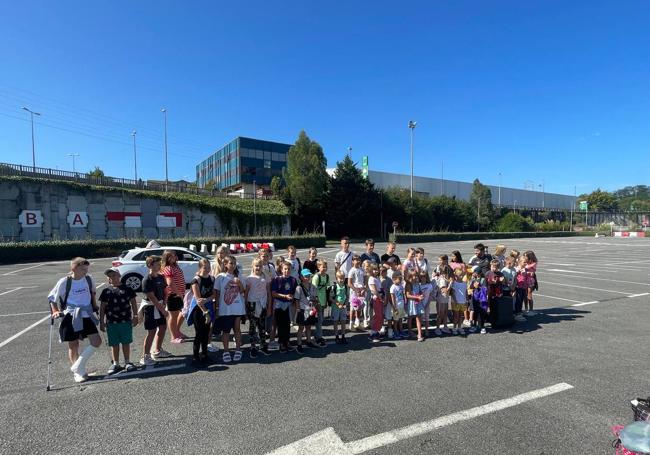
(300, 349)
(274, 345)
(461, 331)
(382, 331)
(114, 368)
(404, 333)
(343, 340)
(162, 354)
(147, 361)
(253, 353)
(312, 345)
(265, 350)
(357, 323)
(366, 324)
(438, 332)
(337, 339)
(79, 377)
(128, 366)
(446, 330)
(420, 339)
(532, 313)
(212, 348)
(483, 331)
(283, 349)
(322, 343)
(520, 318)
(472, 329)
(466, 323)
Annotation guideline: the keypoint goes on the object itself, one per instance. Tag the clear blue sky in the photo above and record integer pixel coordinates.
(551, 91)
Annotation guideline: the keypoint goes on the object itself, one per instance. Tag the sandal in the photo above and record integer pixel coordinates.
(237, 356)
(226, 357)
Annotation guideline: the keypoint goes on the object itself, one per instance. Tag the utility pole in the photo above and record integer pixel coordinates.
(32, 114)
(412, 125)
(73, 155)
(164, 111)
(135, 157)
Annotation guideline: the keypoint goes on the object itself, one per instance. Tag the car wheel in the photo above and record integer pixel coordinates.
(132, 280)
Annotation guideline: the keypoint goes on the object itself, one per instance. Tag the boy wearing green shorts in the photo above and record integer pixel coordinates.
(118, 315)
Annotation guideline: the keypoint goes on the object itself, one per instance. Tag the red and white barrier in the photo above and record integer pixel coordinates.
(629, 234)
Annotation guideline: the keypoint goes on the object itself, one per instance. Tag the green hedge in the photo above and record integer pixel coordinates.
(14, 252)
(451, 236)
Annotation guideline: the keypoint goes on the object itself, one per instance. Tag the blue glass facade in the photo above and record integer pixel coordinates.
(240, 162)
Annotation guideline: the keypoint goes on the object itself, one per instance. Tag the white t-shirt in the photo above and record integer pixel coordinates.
(344, 260)
(303, 297)
(295, 268)
(423, 265)
(258, 289)
(357, 276)
(373, 280)
(79, 296)
(229, 292)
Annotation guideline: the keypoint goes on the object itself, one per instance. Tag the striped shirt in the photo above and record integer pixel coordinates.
(178, 279)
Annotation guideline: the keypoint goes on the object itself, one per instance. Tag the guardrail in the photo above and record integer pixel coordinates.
(7, 169)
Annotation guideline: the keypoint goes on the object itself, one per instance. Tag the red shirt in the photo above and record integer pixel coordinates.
(178, 280)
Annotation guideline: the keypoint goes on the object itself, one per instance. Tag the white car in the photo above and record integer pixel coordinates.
(132, 266)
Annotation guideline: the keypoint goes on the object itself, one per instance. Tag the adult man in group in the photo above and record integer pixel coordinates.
(343, 259)
(480, 258)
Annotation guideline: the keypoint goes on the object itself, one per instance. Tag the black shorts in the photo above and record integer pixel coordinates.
(150, 322)
(301, 320)
(174, 303)
(226, 323)
(67, 333)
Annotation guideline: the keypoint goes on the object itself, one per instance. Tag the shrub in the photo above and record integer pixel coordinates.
(66, 249)
(513, 222)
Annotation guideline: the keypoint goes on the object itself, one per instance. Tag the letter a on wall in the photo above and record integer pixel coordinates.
(78, 219)
(30, 218)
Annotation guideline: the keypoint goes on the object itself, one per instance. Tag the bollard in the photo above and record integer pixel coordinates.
(204, 248)
(192, 247)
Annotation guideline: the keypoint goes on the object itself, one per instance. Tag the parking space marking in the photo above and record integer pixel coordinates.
(561, 298)
(602, 279)
(22, 314)
(20, 270)
(639, 295)
(10, 339)
(586, 287)
(10, 291)
(571, 271)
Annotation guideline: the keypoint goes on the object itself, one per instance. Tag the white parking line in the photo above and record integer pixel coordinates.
(603, 279)
(10, 339)
(10, 291)
(20, 270)
(639, 295)
(23, 314)
(562, 298)
(586, 303)
(586, 287)
(571, 271)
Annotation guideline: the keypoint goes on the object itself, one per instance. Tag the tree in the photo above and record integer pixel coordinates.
(600, 201)
(480, 200)
(353, 203)
(306, 181)
(97, 173)
(513, 222)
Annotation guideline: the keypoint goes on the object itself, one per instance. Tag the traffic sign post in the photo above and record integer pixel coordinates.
(395, 224)
(364, 167)
(583, 206)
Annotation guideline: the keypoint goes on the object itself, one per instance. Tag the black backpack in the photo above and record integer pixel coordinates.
(63, 303)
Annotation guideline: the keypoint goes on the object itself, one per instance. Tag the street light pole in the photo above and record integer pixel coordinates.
(135, 157)
(164, 111)
(32, 114)
(543, 193)
(254, 207)
(573, 207)
(73, 155)
(350, 152)
(499, 189)
(412, 125)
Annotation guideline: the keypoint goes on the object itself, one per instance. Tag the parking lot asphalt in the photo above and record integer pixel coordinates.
(591, 333)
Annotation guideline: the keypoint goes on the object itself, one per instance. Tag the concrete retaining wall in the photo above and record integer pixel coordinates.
(34, 211)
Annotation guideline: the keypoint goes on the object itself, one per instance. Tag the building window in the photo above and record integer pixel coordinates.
(267, 164)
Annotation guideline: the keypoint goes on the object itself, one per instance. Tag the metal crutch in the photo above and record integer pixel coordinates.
(49, 355)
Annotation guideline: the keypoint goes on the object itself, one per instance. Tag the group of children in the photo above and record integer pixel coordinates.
(384, 295)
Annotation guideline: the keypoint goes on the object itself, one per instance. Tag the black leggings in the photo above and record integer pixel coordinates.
(202, 332)
(282, 322)
(521, 295)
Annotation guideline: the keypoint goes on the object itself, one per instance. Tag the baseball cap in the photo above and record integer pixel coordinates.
(306, 272)
(111, 271)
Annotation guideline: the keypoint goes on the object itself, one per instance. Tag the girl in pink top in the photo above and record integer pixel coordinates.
(531, 269)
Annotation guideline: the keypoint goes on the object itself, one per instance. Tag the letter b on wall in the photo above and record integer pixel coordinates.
(30, 218)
